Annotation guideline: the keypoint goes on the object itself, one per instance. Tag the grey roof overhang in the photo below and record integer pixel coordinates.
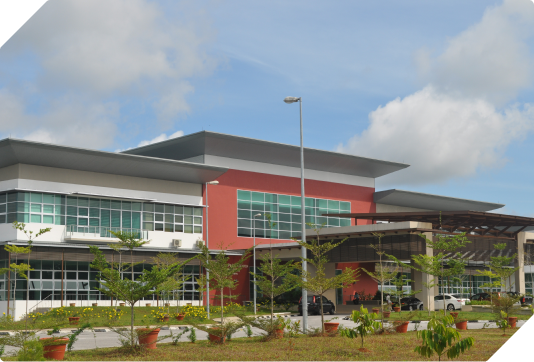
(14, 151)
(224, 145)
(431, 202)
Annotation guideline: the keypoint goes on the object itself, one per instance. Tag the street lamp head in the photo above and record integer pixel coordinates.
(290, 100)
(213, 183)
(257, 215)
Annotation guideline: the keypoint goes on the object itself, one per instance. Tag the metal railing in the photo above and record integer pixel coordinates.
(101, 231)
(32, 309)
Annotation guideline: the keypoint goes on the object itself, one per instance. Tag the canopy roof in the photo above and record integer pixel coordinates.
(471, 222)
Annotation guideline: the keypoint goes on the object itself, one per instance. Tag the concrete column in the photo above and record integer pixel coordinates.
(519, 275)
(426, 295)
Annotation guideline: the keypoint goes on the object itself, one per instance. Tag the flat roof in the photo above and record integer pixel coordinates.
(14, 151)
(236, 147)
(431, 202)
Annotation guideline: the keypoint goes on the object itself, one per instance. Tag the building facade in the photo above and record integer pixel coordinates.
(164, 192)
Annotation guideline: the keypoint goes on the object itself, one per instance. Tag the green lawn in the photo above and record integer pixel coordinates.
(385, 347)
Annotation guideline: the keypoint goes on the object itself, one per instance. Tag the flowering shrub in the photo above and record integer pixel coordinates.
(159, 313)
(195, 311)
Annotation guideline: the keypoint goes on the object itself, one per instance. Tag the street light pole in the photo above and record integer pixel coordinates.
(304, 299)
(254, 260)
(207, 246)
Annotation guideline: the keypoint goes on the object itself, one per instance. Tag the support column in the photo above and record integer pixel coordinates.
(520, 262)
(426, 295)
(330, 272)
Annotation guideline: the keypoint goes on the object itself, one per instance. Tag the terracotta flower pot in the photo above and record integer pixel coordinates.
(148, 337)
(72, 304)
(330, 327)
(461, 325)
(454, 314)
(396, 309)
(180, 317)
(167, 304)
(386, 314)
(56, 350)
(402, 328)
(165, 319)
(74, 320)
(95, 304)
(122, 304)
(148, 304)
(215, 338)
(512, 321)
(376, 310)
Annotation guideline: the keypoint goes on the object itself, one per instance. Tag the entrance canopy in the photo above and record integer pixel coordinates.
(471, 222)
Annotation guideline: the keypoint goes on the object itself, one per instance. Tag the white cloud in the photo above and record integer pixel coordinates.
(490, 59)
(67, 120)
(119, 52)
(459, 122)
(160, 138)
(440, 136)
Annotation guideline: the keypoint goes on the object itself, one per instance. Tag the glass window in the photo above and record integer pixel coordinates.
(83, 201)
(35, 208)
(35, 218)
(126, 205)
(48, 219)
(158, 217)
(136, 206)
(158, 227)
(116, 205)
(83, 211)
(148, 207)
(178, 228)
(159, 208)
(197, 211)
(188, 210)
(179, 210)
(72, 201)
(243, 195)
(36, 197)
(148, 216)
(188, 229)
(179, 219)
(105, 204)
(48, 209)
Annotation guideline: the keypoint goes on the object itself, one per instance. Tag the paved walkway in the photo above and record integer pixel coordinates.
(103, 337)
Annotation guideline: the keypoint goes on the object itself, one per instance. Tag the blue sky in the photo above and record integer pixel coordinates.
(443, 86)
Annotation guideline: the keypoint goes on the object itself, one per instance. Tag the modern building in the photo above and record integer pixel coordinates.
(162, 191)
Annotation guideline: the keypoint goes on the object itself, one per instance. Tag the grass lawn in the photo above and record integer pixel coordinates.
(101, 316)
(391, 347)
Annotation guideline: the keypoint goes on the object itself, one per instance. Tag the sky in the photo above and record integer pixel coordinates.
(446, 87)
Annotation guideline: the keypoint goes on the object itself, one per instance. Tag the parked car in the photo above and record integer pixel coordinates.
(449, 301)
(480, 297)
(314, 305)
(411, 303)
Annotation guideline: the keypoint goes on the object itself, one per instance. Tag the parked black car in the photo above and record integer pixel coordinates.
(411, 303)
(314, 305)
(480, 297)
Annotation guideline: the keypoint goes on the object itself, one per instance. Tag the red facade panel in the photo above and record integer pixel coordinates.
(222, 200)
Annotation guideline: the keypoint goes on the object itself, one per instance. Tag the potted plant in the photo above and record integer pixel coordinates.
(512, 321)
(401, 325)
(54, 347)
(386, 314)
(454, 314)
(72, 304)
(148, 304)
(214, 334)
(148, 337)
(331, 327)
(461, 323)
(122, 304)
(179, 316)
(95, 304)
(74, 318)
(376, 310)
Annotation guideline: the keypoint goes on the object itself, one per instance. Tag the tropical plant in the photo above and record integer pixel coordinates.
(32, 351)
(502, 321)
(441, 338)
(127, 290)
(446, 263)
(275, 277)
(383, 271)
(317, 282)
(173, 285)
(192, 335)
(366, 324)
(499, 270)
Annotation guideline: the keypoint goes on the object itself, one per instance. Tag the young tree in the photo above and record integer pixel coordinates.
(221, 271)
(440, 335)
(499, 269)
(366, 324)
(319, 283)
(399, 281)
(173, 283)
(383, 271)
(275, 277)
(447, 263)
(22, 269)
(128, 290)
(130, 240)
(221, 275)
